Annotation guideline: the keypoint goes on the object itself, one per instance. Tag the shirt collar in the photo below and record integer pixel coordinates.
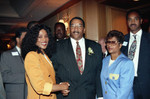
(139, 33)
(74, 41)
(18, 49)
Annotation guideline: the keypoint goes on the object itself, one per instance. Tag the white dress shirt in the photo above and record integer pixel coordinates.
(18, 49)
(82, 46)
(136, 56)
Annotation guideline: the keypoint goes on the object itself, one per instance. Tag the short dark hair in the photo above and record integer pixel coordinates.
(134, 10)
(78, 19)
(114, 33)
(59, 23)
(19, 32)
(30, 39)
(31, 24)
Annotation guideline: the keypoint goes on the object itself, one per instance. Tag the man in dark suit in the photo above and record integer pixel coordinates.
(12, 69)
(82, 74)
(141, 55)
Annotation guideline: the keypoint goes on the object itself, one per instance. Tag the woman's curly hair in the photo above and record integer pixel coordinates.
(30, 39)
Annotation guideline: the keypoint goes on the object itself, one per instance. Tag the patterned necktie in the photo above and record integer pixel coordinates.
(79, 58)
(132, 48)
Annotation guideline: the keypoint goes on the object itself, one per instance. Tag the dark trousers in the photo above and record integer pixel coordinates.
(137, 89)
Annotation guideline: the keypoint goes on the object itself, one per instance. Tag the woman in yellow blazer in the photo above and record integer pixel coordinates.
(40, 74)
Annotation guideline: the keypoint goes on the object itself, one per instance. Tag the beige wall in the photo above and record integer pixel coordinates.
(50, 22)
(102, 21)
(99, 19)
(111, 18)
(91, 17)
(116, 19)
(75, 10)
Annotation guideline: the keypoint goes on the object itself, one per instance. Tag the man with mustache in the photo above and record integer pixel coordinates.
(78, 61)
(137, 47)
(59, 31)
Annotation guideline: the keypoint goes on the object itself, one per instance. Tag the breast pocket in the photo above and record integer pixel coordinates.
(113, 76)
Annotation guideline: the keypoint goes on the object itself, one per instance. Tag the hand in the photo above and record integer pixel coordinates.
(65, 83)
(65, 90)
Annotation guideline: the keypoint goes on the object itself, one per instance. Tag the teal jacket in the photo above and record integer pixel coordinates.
(117, 79)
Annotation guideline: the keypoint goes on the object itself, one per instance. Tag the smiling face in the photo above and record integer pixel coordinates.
(60, 32)
(134, 22)
(113, 45)
(42, 40)
(76, 29)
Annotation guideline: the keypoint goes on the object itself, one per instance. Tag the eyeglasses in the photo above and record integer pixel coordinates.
(76, 25)
(113, 43)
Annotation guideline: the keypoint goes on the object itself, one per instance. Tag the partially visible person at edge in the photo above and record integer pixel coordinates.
(103, 46)
(31, 24)
(12, 69)
(148, 28)
(2, 91)
(141, 58)
(40, 74)
(78, 61)
(12, 42)
(59, 31)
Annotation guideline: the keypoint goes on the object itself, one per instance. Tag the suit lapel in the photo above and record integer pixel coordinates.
(87, 58)
(126, 47)
(115, 63)
(143, 50)
(70, 57)
(19, 56)
(106, 66)
(18, 59)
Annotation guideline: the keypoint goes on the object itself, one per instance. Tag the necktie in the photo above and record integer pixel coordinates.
(132, 48)
(79, 58)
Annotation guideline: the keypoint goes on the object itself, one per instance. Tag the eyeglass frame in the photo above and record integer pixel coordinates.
(113, 43)
(76, 25)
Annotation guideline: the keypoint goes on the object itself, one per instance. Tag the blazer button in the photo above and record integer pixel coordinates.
(105, 92)
(105, 82)
(49, 75)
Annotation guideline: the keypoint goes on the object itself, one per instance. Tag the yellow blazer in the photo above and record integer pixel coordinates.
(40, 76)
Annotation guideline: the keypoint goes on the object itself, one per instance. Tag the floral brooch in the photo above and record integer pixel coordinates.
(90, 51)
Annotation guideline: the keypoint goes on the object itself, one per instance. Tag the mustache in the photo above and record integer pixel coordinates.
(59, 33)
(75, 31)
(133, 25)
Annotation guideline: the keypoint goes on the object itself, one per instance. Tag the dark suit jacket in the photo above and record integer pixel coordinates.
(143, 64)
(2, 91)
(13, 74)
(83, 86)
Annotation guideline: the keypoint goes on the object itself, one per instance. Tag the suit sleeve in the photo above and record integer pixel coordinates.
(2, 91)
(126, 80)
(99, 67)
(7, 74)
(35, 75)
(55, 60)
